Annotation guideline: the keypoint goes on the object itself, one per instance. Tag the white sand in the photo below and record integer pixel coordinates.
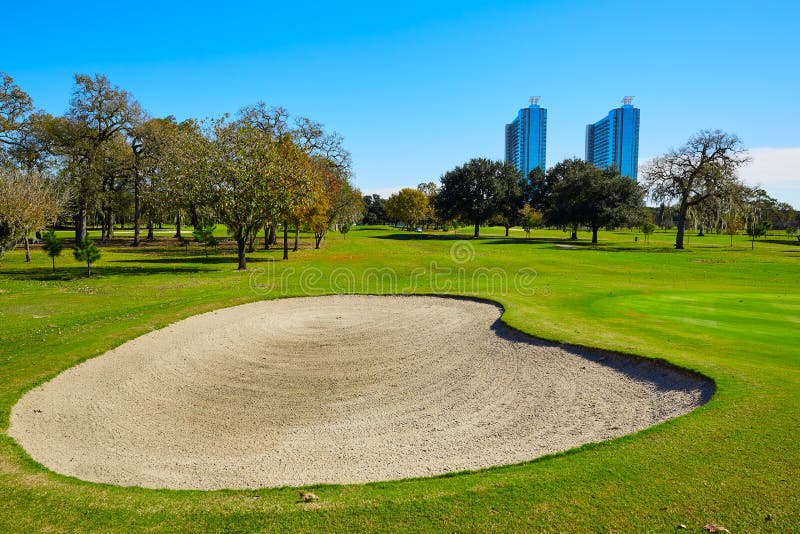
(340, 389)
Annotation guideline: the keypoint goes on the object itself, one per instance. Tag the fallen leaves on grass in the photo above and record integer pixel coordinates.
(308, 497)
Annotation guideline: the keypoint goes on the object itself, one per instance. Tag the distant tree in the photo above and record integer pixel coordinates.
(791, 232)
(86, 251)
(705, 166)
(204, 233)
(476, 191)
(733, 224)
(409, 206)
(52, 245)
(344, 229)
(430, 190)
(375, 210)
(647, 229)
(529, 218)
(756, 230)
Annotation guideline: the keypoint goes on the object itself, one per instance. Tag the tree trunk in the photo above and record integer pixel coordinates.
(150, 236)
(285, 240)
(266, 237)
(273, 233)
(193, 215)
(241, 243)
(594, 235)
(27, 249)
(296, 238)
(681, 224)
(80, 225)
(111, 221)
(318, 239)
(54, 262)
(137, 211)
(507, 227)
(574, 235)
(477, 230)
(88, 268)
(251, 241)
(178, 226)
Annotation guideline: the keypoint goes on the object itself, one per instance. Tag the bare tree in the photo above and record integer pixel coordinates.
(704, 167)
(28, 203)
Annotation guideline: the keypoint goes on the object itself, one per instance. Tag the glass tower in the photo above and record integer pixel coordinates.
(526, 138)
(614, 140)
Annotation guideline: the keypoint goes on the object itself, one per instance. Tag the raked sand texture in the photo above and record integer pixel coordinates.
(339, 389)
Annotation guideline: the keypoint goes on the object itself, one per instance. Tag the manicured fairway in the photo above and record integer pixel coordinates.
(732, 314)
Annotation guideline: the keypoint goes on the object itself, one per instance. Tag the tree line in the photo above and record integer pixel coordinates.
(106, 158)
(694, 185)
(571, 194)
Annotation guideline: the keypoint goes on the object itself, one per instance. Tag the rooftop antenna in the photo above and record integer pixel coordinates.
(627, 101)
(534, 100)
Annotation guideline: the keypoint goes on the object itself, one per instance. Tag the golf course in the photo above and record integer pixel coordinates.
(725, 318)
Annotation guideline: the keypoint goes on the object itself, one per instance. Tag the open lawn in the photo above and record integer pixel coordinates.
(730, 313)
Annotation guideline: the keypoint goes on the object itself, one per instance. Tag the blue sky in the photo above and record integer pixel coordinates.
(419, 87)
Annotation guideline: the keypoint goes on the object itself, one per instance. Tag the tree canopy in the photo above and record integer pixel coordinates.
(477, 191)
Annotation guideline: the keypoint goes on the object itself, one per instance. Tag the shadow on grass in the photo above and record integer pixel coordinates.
(44, 274)
(556, 242)
(199, 260)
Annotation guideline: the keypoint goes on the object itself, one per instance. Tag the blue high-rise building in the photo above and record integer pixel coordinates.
(526, 138)
(614, 140)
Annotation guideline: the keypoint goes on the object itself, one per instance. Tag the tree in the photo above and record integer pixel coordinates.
(335, 200)
(232, 168)
(755, 230)
(29, 201)
(156, 169)
(295, 181)
(529, 218)
(344, 229)
(375, 210)
(511, 199)
(52, 245)
(408, 206)
(733, 224)
(704, 167)
(86, 251)
(99, 112)
(475, 191)
(647, 229)
(576, 193)
(791, 232)
(15, 109)
(204, 233)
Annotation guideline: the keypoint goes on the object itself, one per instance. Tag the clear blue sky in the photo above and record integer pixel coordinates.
(419, 87)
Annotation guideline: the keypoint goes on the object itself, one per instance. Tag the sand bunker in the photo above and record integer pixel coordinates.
(339, 389)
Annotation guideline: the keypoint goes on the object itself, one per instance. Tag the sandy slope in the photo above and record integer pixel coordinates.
(335, 389)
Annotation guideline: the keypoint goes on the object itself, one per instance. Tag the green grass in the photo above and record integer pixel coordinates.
(732, 314)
